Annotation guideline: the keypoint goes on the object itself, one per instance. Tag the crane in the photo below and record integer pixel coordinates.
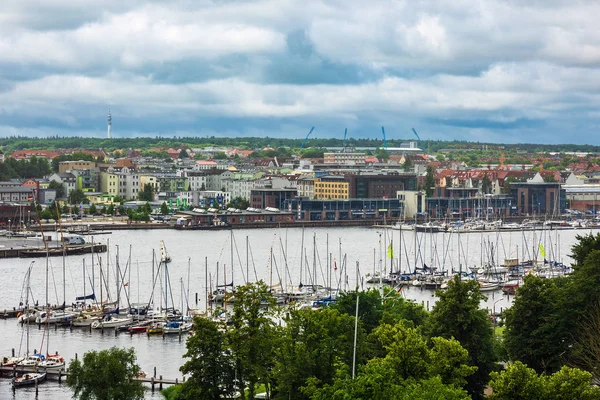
(344, 144)
(384, 141)
(306, 138)
(419, 139)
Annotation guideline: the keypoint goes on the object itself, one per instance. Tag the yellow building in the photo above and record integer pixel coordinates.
(109, 183)
(331, 187)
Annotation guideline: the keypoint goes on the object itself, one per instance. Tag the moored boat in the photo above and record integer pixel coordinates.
(29, 379)
(52, 362)
(110, 321)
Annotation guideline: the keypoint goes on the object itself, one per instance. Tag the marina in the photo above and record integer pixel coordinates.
(287, 257)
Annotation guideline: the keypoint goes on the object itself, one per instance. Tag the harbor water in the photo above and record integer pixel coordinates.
(336, 255)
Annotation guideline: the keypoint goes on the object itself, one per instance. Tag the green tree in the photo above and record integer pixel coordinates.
(429, 184)
(147, 194)
(382, 154)
(118, 199)
(93, 210)
(457, 315)
(60, 190)
(219, 156)
(486, 184)
(210, 367)
(76, 196)
(239, 203)
(164, 208)
(408, 165)
(110, 210)
(66, 209)
(251, 338)
(183, 154)
(106, 375)
(313, 345)
(518, 381)
(534, 331)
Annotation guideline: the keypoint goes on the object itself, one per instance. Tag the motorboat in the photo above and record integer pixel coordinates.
(53, 362)
(111, 321)
(29, 379)
(31, 361)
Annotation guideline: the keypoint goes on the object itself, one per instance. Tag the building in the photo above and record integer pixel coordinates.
(414, 202)
(536, 197)
(344, 158)
(335, 210)
(373, 186)
(67, 180)
(330, 187)
(109, 183)
(306, 187)
(18, 195)
(269, 197)
(65, 166)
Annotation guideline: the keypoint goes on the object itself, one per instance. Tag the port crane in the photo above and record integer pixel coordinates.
(384, 141)
(419, 139)
(306, 138)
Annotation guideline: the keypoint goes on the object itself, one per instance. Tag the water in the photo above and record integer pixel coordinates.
(367, 246)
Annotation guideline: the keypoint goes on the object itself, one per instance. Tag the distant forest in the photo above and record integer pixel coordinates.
(10, 144)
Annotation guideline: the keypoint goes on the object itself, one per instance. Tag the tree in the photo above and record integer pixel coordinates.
(407, 369)
(76, 196)
(219, 156)
(239, 203)
(518, 381)
(313, 345)
(60, 190)
(210, 367)
(486, 184)
(429, 183)
(110, 210)
(147, 194)
(408, 164)
(164, 208)
(251, 338)
(93, 210)
(106, 375)
(457, 315)
(183, 154)
(534, 333)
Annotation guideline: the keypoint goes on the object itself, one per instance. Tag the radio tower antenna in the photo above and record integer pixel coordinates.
(109, 124)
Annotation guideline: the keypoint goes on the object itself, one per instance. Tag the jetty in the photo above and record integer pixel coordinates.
(155, 382)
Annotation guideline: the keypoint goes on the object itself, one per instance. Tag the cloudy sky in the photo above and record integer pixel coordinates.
(501, 71)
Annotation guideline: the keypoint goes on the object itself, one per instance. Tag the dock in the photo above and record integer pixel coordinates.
(60, 375)
(52, 252)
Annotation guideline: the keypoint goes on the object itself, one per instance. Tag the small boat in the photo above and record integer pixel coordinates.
(29, 379)
(110, 321)
(85, 319)
(53, 362)
(55, 317)
(31, 361)
(156, 329)
(176, 327)
(11, 361)
(139, 328)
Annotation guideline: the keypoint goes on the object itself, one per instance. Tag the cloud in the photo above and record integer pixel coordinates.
(453, 70)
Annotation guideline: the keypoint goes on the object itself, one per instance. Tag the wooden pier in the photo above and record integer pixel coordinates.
(61, 375)
(52, 252)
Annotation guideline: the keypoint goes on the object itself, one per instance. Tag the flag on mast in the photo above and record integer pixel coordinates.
(390, 251)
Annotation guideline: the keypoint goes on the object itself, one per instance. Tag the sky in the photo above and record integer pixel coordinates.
(503, 71)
